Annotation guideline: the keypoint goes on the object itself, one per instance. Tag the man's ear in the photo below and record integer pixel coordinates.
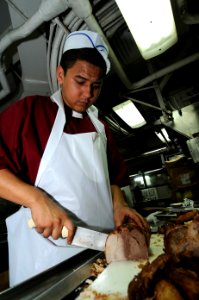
(60, 75)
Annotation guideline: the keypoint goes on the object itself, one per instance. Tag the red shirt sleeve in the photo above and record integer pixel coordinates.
(24, 130)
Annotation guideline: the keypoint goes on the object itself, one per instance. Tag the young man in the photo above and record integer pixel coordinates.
(59, 162)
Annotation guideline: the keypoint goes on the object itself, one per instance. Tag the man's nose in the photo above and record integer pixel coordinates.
(88, 91)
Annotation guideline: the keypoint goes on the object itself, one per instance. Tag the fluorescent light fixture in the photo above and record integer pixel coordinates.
(139, 179)
(151, 23)
(164, 137)
(129, 113)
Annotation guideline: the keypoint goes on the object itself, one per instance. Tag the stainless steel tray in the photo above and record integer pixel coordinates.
(56, 283)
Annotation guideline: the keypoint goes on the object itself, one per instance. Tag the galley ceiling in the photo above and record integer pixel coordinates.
(158, 86)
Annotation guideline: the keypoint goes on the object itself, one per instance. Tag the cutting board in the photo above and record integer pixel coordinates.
(113, 282)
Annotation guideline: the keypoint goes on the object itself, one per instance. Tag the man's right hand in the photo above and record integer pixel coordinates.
(50, 218)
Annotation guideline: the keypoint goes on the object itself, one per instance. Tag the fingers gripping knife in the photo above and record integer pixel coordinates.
(83, 237)
(64, 232)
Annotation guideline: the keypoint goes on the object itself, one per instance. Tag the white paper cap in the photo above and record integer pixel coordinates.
(87, 39)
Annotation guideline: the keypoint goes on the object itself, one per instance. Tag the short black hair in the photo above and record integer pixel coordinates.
(90, 55)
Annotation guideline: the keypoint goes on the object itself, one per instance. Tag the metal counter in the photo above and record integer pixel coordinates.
(57, 282)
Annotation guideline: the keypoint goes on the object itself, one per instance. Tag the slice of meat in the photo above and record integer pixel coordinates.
(127, 242)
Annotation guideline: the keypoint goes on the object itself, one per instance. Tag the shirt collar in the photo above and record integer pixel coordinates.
(76, 114)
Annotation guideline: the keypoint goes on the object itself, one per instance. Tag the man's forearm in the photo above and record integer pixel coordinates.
(122, 211)
(15, 190)
(118, 197)
(46, 214)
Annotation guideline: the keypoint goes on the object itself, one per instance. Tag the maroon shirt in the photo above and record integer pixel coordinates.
(24, 130)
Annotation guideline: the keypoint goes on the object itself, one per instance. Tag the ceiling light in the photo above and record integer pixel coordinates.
(151, 23)
(129, 113)
(163, 136)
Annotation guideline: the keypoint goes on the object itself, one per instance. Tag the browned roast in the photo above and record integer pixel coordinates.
(183, 239)
(175, 239)
(165, 278)
(175, 274)
(165, 290)
(166, 227)
(127, 242)
(187, 281)
(142, 286)
(181, 219)
(185, 217)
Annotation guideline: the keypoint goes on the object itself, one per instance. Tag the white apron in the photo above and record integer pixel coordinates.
(82, 187)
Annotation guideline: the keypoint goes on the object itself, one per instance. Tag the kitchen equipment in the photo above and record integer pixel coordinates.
(169, 209)
(163, 215)
(84, 237)
(151, 185)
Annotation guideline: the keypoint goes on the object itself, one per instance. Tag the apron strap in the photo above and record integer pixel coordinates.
(93, 114)
(54, 137)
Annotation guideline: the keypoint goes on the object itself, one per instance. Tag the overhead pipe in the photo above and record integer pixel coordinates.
(83, 10)
(185, 16)
(142, 102)
(165, 113)
(48, 10)
(148, 153)
(55, 53)
(4, 84)
(165, 71)
(49, 49)
(190, 19)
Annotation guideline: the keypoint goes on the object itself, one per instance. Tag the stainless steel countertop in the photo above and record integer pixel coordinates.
(57, 282)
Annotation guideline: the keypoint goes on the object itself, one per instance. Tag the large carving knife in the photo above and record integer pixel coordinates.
(83, 237)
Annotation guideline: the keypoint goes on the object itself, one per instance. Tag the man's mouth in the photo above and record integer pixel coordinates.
(83, 103)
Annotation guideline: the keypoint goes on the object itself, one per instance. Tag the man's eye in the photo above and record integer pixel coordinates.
(80, 81)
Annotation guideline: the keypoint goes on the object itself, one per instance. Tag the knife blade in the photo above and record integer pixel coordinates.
(83, 237)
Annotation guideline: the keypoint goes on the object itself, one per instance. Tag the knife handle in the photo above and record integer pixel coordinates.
(64, 233)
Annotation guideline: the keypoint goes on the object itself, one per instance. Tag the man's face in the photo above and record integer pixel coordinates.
(81, 85)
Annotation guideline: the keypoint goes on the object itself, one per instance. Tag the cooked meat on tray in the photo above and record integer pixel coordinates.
(127, 242)
(183, 238)
(175, 273)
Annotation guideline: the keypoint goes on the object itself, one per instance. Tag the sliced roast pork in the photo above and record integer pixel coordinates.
(127, 242)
